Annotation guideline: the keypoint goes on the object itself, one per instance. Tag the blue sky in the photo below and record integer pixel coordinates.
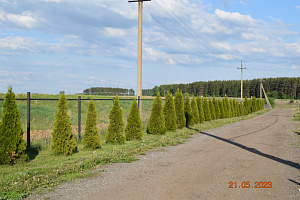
(47, 46)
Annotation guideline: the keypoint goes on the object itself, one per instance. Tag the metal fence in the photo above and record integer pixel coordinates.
(79, 99)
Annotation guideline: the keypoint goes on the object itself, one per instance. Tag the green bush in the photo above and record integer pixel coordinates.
(12, 146)
(91, 137)
(115, 132)
(195, 111)
(156, 123)
(63, 141)
(212, 109)
(179, 108)
(200, 108)
(169, 112)
(134, 127)
(217, 108)
(206, 110)
(188, 111)
(222, 114)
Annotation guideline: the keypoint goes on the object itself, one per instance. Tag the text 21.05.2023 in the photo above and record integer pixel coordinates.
(247, 184)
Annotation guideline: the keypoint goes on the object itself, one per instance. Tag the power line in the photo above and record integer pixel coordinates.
(209, 47)
(174, 34)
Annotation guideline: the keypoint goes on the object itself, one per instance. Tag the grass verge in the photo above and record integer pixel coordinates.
(45, 171)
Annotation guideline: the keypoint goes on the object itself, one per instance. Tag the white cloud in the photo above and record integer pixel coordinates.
(114, 32)
(235, 17)
(26, 19)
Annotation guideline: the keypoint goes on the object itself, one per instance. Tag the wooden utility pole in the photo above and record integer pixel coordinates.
(139, 59)
(260, 88)
(241, 80)
(268, 102)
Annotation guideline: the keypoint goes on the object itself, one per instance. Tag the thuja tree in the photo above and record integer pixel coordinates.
(221, 109)
(227, 107)
(206, 110)
(195, 111)
(63, 141)
(12, 146)
(134, 127)
(212, 109)
(170, 113)
(115, 132)
(200, 109)
(179, 109)
(217, 108)
(188, 111)
(156, 123)
(91, 137)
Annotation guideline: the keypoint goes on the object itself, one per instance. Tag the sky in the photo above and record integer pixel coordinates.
(47, 46)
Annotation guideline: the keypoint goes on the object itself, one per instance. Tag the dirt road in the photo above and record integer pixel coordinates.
(263, 149)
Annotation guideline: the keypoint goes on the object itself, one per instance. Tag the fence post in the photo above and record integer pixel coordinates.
(139, 100)
(79, 117)
(28, 120)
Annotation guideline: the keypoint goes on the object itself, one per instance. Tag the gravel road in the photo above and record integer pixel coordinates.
(262, 149)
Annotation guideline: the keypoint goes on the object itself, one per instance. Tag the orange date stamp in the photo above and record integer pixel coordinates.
(248, 184)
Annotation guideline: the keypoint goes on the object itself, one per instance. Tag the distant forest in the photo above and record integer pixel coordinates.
(108, 91)
(284, 88)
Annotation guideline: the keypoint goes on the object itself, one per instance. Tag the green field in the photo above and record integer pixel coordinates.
(43, 112)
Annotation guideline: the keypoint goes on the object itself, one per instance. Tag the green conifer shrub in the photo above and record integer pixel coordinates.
(212, 109)
(195, 111)
(188, 111)
(200, 108)
(115, 132)
(12, 145)
(134, 127)
(91, 137)
(217, 108)
(170, 113)
(221, 109)
(179, 108)
(156, 124)
(206, 110)
(63, 141)
(227, 107)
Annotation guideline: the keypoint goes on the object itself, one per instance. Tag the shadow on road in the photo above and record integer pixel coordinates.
(253, 150)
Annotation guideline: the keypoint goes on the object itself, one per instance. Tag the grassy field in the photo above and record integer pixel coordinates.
(45, 170)
(43, 112)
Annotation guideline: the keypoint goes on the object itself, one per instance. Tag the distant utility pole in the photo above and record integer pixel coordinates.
(241, 80)
(139, 60)
(260, 89)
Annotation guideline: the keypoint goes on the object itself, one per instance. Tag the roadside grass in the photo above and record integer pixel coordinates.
(45, 170)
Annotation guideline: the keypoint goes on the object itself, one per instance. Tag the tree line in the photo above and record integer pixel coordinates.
(284, 88)
(108, 91)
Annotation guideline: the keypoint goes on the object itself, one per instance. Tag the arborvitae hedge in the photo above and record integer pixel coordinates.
(212, 109)
(188, 111)
(217, 108)
(200, 108)
(170, 113)
(227, 107)
(195, 111)
(63, 141)
(115, 132)
(12, 146)
(156, 123)
(206, 110)
(134, 127)
(179, 108)
(221, 109)
(91, 137)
